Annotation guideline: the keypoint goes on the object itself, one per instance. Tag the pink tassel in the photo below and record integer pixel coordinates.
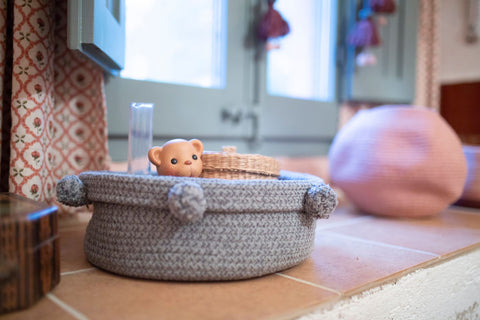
(272, 24)
(383, 6)
(364, 34)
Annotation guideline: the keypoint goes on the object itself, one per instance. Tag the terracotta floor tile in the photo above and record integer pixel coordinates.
(465, 210)
(98, 294)
(343, 214)
(347, 265)
(74, 220)
(44, 309)
(444, 234)
(353, 252)
(72, 256)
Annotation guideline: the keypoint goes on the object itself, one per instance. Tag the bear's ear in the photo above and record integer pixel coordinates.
(197, 144)
(154, 155)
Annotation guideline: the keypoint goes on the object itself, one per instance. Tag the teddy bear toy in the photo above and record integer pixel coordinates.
(178, 157)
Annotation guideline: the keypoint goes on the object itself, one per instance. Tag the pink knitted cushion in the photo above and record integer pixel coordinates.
(398, 161)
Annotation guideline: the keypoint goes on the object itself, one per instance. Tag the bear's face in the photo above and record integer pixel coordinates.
(178, 157)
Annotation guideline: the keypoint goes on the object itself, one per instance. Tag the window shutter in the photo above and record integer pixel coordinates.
(97, 29)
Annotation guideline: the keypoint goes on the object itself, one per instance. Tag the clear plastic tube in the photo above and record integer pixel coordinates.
(139, 137)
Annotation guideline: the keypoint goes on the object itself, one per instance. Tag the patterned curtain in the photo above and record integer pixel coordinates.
(53, 104)
(427, 86)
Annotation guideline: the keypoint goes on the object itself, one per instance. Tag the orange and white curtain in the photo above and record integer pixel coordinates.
(53, 104)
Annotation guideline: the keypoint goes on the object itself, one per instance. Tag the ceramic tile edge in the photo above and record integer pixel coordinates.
(381, 244)
(316, 285)
(342, 223)
(68, 273)
(67, 308)
(296, 314)
(460, 252)
(423, 266)
(300, 312)
(429, 259)
(465, 210)
(394, 277)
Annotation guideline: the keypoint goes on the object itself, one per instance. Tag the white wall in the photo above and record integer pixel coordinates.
(459, 61)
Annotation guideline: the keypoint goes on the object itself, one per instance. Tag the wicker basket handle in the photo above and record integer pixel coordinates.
(320, 200)
(187, 202)
(72, 192)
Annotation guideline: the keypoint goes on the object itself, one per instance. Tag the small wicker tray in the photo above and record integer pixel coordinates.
(231, 165)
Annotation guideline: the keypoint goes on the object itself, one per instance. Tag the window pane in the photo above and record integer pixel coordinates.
(181, 42)
(304, 65)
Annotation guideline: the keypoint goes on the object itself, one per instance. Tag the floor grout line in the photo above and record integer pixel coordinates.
(383, 244)
(465, 210)
(74, 313)
(343, 223)
(72, 228)
(67, 273)
(309, 283)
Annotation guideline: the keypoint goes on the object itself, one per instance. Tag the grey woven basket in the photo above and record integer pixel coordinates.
(177, 228)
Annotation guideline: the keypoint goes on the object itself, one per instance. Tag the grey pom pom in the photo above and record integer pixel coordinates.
(320, 201)
(72, 192)
(187, 202)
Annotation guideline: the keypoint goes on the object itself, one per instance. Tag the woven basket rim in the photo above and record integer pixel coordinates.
(254, 171)
(229, 161)
(285, 177)
(152, 190)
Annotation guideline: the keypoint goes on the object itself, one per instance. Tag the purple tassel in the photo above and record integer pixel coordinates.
(364, 34)
(383, 6)
(272, 24)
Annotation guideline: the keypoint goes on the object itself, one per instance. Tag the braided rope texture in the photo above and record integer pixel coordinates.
(249, 228)
(140, 242)
(283, 195)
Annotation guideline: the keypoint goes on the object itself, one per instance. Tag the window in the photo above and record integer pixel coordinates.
(199, 63)
(191, 52)
(308, 73)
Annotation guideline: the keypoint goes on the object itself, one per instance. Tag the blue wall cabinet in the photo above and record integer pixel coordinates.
(97, 29)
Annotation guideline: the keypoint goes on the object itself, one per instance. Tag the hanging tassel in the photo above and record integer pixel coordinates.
(272, 25)
(366, 58)
(364, 34)
(383, 6)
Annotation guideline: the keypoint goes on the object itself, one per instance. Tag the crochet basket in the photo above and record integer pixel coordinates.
(178, 228)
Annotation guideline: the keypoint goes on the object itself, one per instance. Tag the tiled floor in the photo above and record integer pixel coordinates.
(353, 252)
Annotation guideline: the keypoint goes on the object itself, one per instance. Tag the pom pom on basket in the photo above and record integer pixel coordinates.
(186, 202)
(72, 192)
(198, 229)
(398, 161)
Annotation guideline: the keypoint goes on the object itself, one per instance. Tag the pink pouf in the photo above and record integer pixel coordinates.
(398, 161)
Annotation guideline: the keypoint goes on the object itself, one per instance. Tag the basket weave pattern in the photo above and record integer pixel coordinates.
(245, 228)
(140, 242)
(230, 165)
